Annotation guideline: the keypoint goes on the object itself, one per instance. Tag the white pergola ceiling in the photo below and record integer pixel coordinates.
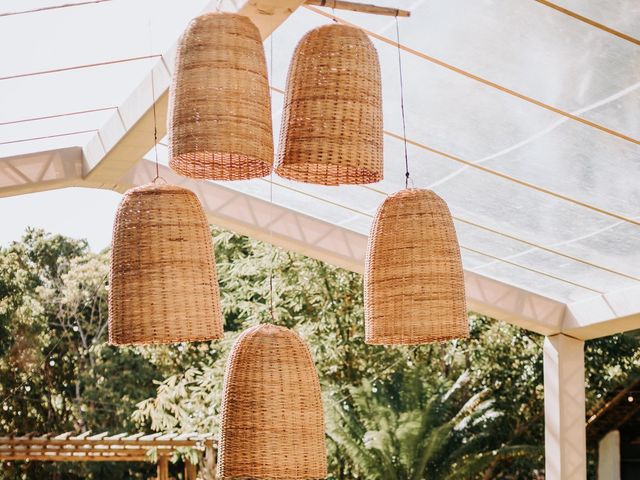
(523, 117)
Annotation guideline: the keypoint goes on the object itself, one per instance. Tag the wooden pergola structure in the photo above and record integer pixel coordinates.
(102, 447)
(622, 410)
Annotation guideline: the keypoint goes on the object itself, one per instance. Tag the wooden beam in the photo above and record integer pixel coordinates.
(128, 135)
(163, 467)
(64, 458)
(190, 472)
(103, 443)
(359, 7)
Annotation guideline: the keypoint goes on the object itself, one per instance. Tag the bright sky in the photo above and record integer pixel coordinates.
(74, 212)
(68, 37)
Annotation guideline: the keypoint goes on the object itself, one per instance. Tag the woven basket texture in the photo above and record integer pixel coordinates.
(220, 106)
(163, 285)
(414, 283)
(332, 122)
(272, 422)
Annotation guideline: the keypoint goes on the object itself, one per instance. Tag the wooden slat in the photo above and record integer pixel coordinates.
(360, 7)
(98, 447)
(146, 443)
(60, 458)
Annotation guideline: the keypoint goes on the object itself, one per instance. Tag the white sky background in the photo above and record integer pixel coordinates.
(61, 38)
(74, 212)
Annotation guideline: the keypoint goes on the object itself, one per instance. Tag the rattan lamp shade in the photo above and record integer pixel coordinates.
(272, 424)
(414, 284)
(163, 286)
(220, 108)
(332, 122)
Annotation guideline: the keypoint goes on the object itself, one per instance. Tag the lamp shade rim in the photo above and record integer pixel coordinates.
(186, 339)
(342, 174)
(462, 333)
(253, 167)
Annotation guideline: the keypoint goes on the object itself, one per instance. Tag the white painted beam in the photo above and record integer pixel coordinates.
(247, 215)
(604, 315)
(40, 171)
(128, 135)
(565, 440)
(514, 305)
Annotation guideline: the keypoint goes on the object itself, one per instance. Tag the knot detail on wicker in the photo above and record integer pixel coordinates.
(220, 105)
(332, 122)
(414, 282)
(272, 421)
(163, 286)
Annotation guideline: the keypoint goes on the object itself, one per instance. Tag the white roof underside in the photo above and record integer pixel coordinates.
(523, 118)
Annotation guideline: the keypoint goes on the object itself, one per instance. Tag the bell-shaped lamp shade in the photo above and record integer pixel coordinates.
(332, 123)
(272, 422)
(163, 286)
(220, 108)
(414, 283)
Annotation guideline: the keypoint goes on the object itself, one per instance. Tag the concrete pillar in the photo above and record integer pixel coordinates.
(609, 456)
(564, 409)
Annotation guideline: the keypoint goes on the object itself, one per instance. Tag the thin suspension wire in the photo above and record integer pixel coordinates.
(58, 115)
(463, 247)
(31, 139)
(504, 176)
(52, 7)
(483, 80)
(271, 206)
(497, 232)
(155, 119)
(79, 67)
(155, 128)
(589, 21)
(404, 123)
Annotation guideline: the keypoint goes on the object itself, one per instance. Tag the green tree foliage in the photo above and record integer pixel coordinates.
(58, 374)
(469, 409)
(324, 304)
(409, 428)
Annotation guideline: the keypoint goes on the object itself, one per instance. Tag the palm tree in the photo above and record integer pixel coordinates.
(407, 429)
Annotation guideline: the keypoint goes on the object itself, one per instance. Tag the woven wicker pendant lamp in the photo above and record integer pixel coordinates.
(414, 284)
(332, 122)
(272, 423)
(163, 286)
(220, 109)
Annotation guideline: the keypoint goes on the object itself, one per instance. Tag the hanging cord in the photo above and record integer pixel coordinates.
(323, 3)
(404, 123)
(271, 216)
(155, 119)
(155, 129)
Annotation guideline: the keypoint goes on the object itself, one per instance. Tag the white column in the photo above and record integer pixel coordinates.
(564, 409)
(609, 456)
